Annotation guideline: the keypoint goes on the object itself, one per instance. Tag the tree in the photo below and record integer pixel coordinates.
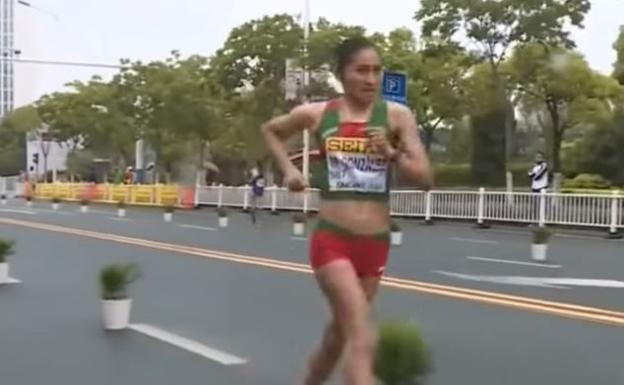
(13, 130)
(256, 52)
(618, 46)
(565, 87)
(435, 76)
(600, 151)
(495, 27)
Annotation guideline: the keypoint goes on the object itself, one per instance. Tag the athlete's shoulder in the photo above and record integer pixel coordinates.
(400, 115)
(398, 109)
(311, 113)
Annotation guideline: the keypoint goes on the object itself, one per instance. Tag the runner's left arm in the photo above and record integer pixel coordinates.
(412, 158)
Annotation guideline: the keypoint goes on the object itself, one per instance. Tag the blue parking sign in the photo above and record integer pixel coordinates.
(394, 87)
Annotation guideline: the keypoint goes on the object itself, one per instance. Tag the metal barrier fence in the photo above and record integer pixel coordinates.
(583, 210)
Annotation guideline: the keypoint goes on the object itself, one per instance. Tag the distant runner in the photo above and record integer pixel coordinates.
(257, 192)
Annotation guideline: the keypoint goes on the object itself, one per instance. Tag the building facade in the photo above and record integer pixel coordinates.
(7, 52)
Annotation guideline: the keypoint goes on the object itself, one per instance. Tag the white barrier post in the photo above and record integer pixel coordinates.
(305, 201)
(246, 191)
(196, 195)
(428, 202)
(220, 196)
(613, 229)
(481, 210)
(542, 209)
(274, 200)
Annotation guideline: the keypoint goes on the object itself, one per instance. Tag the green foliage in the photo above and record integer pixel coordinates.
(299, 218)
(600, 151)
(394, 227)
(541, 236)
(7, 248)
(618, 46)
(115, 280)
(587, 181)
(401, 358)
(13, 129)
(169, 209)
(488, 159)
(222, 212)
(568, 90)
(497, 25)
(435, 73)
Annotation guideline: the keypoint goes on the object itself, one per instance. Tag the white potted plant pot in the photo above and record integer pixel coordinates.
(56, 206)
(299, 229)
(84, 206)
(396, 235)
(116, 303)
(168, 217)
(539, 252)
(539, 246)
(29, 202)
(121, 209)
(6, 249)
(116, 313)
(4, 273)
(223, 218)
(299, 225)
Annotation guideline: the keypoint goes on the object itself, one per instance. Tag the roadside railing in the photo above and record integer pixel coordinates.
(604, 210)
(481, 206)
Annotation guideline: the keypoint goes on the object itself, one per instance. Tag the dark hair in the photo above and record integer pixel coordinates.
(347, 49)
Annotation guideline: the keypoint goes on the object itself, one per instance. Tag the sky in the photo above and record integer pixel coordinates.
(103, 31)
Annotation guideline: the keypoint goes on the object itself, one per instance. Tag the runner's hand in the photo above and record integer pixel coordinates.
(295, 181)
(381, 145)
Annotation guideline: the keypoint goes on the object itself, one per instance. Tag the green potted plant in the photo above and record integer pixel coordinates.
(6, 248)
(223, 217)
(29, 201)
(115, 280)
(3, 200)
(84, 205)
(168, 215)
(539, 246)
(56, 203)
(121, 209)
(401, 356)
(396, 234)
(299, 221)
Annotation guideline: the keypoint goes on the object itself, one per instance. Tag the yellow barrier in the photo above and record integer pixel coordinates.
(145, 195)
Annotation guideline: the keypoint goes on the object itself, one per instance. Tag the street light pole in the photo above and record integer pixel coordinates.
(306, 86)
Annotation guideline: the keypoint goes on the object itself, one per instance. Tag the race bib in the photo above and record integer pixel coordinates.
(353, 166)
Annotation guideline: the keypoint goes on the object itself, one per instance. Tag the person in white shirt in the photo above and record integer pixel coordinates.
(539, 174)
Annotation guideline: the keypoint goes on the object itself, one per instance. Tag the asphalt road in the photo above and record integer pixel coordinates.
(50, 328)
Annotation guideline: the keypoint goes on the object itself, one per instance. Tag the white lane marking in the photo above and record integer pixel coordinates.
(470, 240)
(120, 219)
(187, 344)
(303, 239)
(15, 211)
(57, 212)
(559, 283)
(195, 227)
(514, 281)
(544, 265)
(13, 281)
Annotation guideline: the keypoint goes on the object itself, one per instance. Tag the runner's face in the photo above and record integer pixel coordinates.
(362, 76)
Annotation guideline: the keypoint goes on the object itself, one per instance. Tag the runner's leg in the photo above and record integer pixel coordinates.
(324, 360)
(348, 300)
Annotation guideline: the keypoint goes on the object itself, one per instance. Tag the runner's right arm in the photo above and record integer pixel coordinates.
(279, 129)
